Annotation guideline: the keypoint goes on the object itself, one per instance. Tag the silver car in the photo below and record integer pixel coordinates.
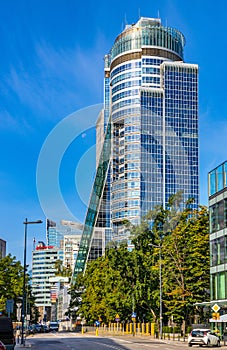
(203, 337)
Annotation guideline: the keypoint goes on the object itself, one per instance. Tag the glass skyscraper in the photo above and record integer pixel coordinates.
(150, 130)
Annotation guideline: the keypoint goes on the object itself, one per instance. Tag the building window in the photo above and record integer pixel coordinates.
(221, 285)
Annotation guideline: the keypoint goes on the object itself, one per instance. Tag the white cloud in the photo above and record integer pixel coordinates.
(10, 122)
(56, 81)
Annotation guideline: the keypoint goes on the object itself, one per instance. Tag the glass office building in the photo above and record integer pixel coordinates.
(55, 232)
(217, 180)
(150, 123)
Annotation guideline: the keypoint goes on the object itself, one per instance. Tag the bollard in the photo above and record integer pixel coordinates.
(97, 332)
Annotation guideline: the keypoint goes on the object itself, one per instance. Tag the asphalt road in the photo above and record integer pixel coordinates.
(69, 341)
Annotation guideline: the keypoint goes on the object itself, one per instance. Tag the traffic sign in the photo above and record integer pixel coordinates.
(117, 318)
(97, 323)
(215, 307)
(9, 306)
(134, 314)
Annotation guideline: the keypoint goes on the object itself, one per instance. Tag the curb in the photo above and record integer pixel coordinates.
(26, 346)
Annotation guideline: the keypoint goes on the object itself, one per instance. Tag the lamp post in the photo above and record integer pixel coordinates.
(160, 286)
(26, 223)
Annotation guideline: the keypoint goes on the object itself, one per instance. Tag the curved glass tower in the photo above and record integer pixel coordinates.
(154, 110)
(151, 102)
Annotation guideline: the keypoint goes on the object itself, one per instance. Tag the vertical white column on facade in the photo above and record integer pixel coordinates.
(162, 71)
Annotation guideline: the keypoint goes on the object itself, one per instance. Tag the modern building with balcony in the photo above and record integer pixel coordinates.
(148, 131)
(217, 180)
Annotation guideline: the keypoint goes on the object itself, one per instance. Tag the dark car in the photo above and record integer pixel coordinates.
(2, 346)
(53, 327)
(7, 333)
(37, 328)
(44, 329)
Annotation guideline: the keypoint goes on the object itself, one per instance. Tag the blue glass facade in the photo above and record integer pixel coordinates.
(55, 233)
(151, 102)
(181, 130)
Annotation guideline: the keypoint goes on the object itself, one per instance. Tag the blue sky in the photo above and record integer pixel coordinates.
(51, 65)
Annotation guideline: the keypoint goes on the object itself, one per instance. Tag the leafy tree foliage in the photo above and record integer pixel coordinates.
(186, 264)
(61, 270)
(123, 281)
(107, 286)
(32, 309)
(183, 237)
(11, 280)
(11, 286)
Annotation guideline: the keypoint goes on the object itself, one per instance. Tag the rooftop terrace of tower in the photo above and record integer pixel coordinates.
(148, 32)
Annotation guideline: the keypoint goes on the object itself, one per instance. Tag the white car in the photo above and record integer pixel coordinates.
(203, 337)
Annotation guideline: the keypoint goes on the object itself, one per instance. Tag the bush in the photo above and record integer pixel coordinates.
(167, 329)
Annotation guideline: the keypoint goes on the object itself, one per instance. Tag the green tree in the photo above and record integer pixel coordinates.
(107, 287)
(11, 280)
(32, 309)
(146, 274)
(182, 234)
(123, 281)
(61, 270)
(185, 254)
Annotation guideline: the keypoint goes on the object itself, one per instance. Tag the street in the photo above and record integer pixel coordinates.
(73, 341)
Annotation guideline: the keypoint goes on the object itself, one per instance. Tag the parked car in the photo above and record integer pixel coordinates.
(7, 333)
(53, 326)
(37, 328)
(2, 346)
(44, 329)
(203, 337)
(30, 330)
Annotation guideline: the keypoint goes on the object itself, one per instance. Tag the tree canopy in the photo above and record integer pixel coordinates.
(126, 280)
(11, 280)
(11, 286)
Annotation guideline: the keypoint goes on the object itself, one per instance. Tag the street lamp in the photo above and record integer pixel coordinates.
(26, 223)
(160, 285)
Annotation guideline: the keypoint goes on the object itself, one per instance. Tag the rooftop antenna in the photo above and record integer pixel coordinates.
(125, 20)
(139, 12)
(158, 14)
(34, 243)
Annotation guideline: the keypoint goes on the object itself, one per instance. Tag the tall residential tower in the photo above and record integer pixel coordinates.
(150, 130)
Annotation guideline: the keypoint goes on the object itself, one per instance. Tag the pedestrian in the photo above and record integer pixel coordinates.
(18, 335)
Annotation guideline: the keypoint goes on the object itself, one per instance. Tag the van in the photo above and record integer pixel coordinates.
(7, 332)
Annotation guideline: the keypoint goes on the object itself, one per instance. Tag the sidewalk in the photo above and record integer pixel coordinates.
(26, 346)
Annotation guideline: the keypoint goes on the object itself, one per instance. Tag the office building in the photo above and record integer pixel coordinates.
(43, 267)
(217, 180)
(60, 298)
(55, 232)
(71, 244)
(2, 248)
(150, 131)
